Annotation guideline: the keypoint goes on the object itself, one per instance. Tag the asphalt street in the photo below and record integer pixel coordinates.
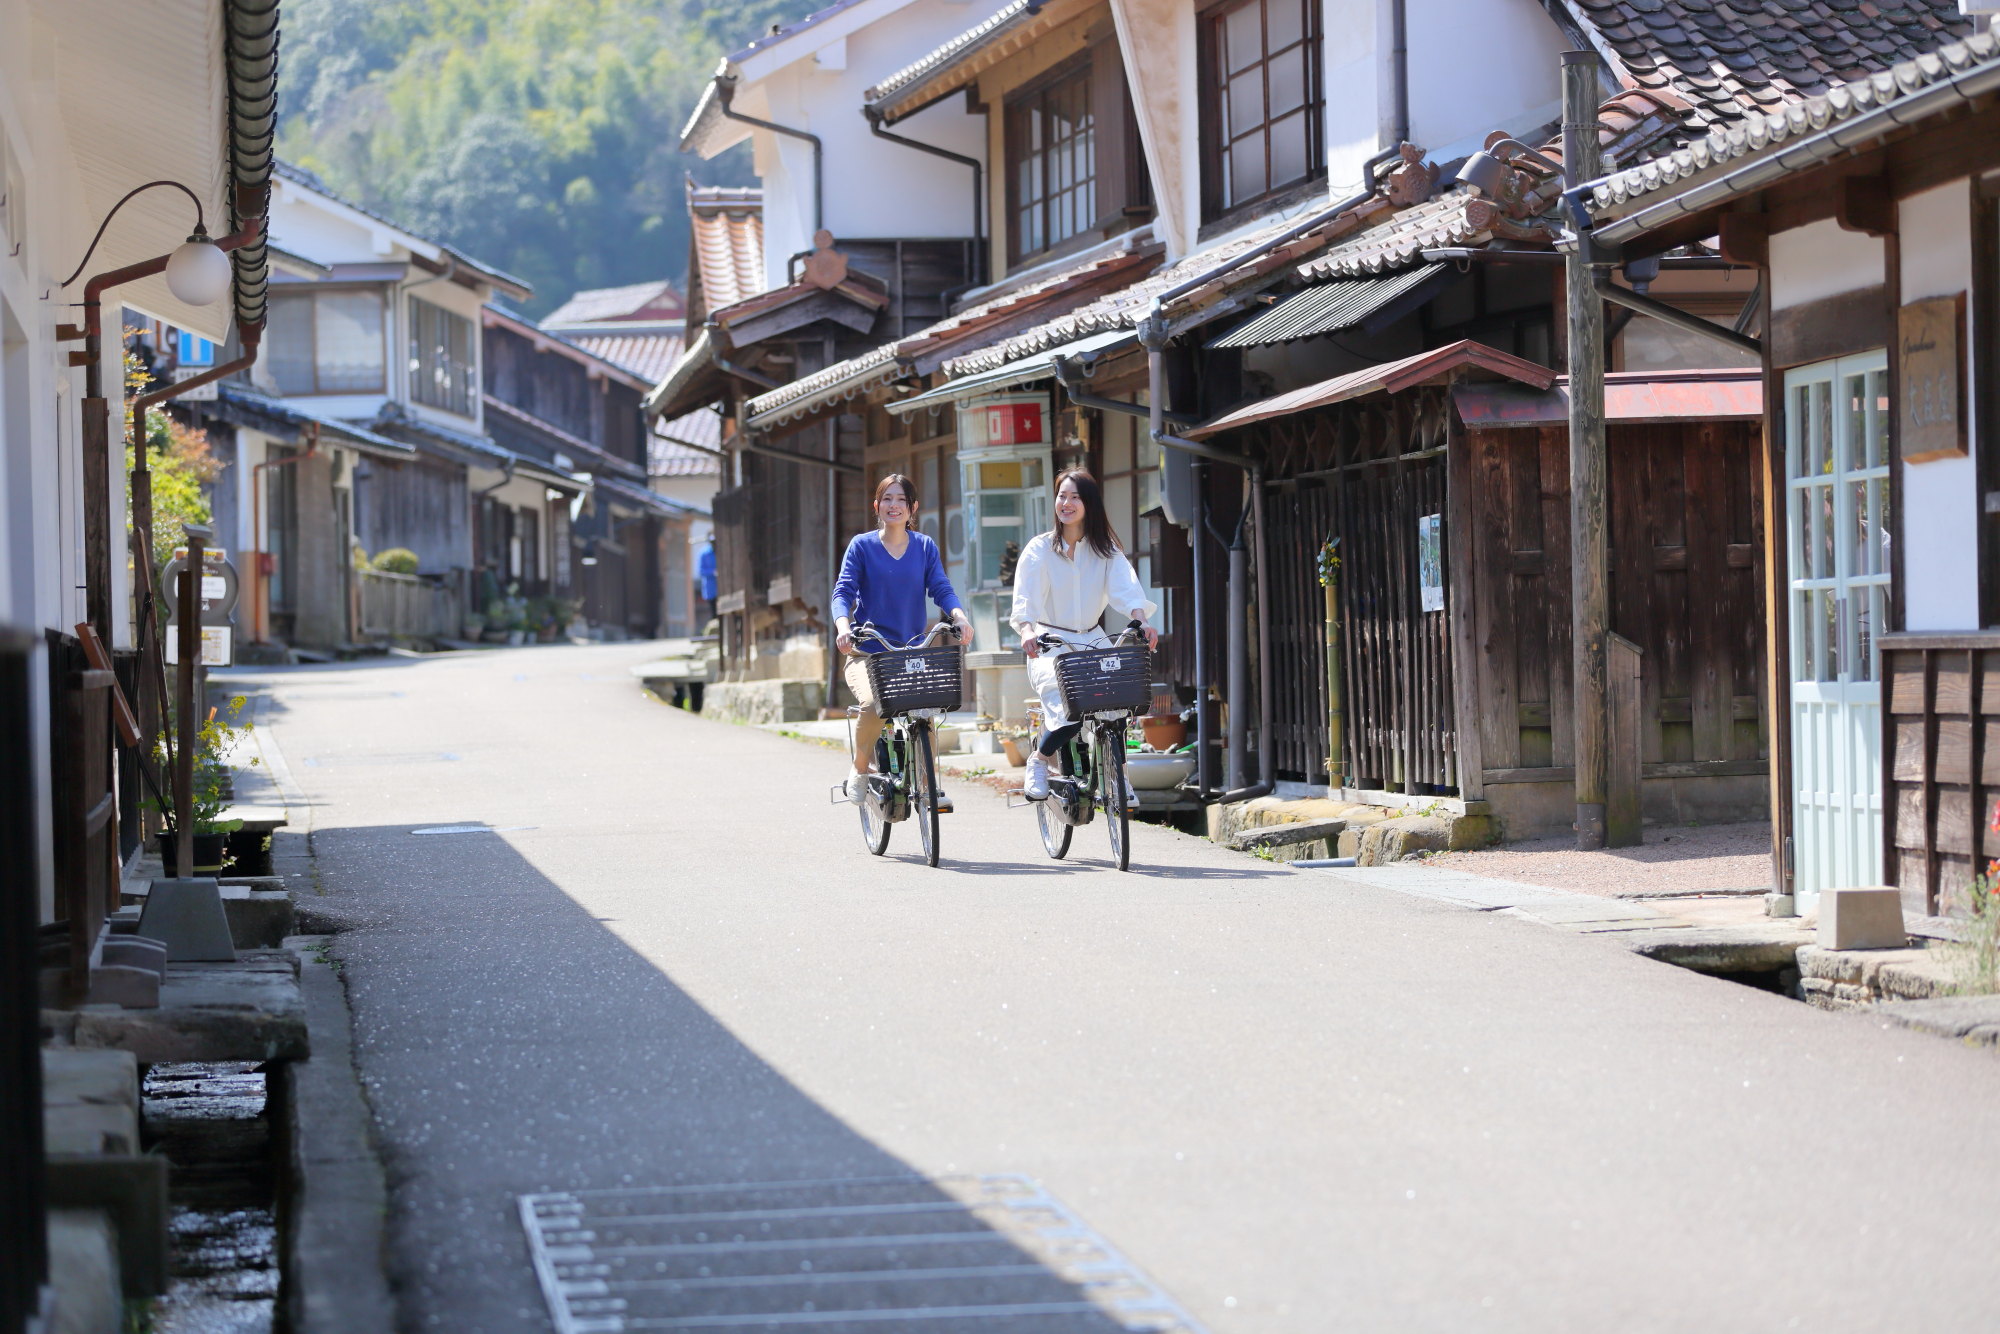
(1298, 1104)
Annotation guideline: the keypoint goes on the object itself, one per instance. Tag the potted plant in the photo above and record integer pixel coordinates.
(218, 736)
(496, 622)
(474, 626)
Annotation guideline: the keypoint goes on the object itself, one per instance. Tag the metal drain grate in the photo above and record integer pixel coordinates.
(904, 1254)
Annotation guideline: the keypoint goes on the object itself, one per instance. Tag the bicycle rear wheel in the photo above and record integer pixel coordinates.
(1111, 783)
(1055, 831)
(924, 790)
(874, 825)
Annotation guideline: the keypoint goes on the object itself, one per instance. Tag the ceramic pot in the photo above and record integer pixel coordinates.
(207, 853)
(1163, 733)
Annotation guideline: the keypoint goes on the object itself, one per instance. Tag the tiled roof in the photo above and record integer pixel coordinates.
(1726, 144)
(856, 375)
(668, 455)
(649, 302)
(1459, 217)
(648, 356)
(728, 227)
(951, 66)
(1733, 59)
(1124, 308)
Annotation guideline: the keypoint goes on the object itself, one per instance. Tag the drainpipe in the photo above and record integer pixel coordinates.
(1398, 128)
(875, 127)
(725, 94)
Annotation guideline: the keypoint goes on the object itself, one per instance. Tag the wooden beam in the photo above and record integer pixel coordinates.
(1864, 204)
(1745, 237)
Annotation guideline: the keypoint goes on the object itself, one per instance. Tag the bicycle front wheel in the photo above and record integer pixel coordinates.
(1111, 783)
(924, 791)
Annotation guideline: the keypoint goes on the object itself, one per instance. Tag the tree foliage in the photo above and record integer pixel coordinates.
(539, 136)
(183, 468)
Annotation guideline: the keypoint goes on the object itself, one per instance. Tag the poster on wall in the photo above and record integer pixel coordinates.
(1430, 561)
(1929, 379)
(1004, 420)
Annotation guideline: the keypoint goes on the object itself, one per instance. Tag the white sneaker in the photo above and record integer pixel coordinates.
(1035, 787)
(856, 787)
(1131, 797)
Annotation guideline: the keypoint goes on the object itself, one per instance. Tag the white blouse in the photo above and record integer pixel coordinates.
(1067, 595)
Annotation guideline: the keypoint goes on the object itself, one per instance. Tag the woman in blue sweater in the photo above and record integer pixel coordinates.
(884, 580)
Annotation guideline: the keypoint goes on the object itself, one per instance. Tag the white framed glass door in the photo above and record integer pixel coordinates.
(1837, 543)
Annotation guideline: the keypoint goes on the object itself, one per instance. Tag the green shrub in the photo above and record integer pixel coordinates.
(396, 560)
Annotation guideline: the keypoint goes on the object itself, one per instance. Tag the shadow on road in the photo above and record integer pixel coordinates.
(512, 1045)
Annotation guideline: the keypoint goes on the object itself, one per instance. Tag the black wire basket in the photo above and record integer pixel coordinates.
(1104, 680)
(907, 679)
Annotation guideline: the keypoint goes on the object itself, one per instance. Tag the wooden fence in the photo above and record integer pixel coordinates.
(404, 606)
(1941, 753)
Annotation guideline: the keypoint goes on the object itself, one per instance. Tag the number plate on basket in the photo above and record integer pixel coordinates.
(1109, 665)
(914, 667)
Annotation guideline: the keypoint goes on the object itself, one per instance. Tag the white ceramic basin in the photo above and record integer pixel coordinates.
(1152, 771)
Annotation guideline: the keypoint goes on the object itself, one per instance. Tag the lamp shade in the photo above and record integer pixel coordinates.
(199, 273)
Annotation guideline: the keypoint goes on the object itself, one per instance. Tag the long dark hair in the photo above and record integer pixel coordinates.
(909, 496)
(1096, 522)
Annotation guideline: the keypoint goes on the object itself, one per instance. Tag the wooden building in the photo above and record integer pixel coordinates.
(1442, 481)
(1871, 212)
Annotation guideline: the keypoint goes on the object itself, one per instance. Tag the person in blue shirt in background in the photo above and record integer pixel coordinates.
(704, 568)
(884, 581)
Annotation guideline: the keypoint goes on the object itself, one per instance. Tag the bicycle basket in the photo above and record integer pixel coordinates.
(917, 678)
(1104, 680)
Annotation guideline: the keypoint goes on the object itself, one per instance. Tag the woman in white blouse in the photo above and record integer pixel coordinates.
(1066, 580)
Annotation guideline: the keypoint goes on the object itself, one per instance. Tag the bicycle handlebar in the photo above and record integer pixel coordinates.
(1132, 628)
(867, 630)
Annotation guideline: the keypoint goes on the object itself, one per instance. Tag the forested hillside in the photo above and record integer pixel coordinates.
(541, 136)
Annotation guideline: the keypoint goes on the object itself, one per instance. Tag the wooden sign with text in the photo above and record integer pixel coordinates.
(1930, 377)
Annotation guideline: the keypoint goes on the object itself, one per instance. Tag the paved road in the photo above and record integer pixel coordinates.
(1298, 1104)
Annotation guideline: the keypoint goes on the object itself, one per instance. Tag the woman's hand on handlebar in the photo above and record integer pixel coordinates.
(844, 641)
(964, 628)
(1152, 635)
(1031, 645)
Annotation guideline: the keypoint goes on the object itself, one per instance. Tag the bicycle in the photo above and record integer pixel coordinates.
(914, 686)
(1101, 688)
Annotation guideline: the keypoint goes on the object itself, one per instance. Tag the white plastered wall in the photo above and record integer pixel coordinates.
(1940, 499)
(1820, 260)
(814, 82)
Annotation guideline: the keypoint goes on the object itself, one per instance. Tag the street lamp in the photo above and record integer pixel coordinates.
(198, 272)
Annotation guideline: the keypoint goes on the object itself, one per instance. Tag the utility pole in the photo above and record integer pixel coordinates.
(1590, 600)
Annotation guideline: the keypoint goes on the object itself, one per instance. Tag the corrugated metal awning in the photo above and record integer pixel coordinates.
(1341, 304)
(1392, 377)
(1734, 394)
(1040, 366)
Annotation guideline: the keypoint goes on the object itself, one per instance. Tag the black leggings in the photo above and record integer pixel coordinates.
(1056, 738)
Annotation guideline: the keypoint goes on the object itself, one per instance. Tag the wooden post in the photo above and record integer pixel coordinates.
(187, 707)
(97, 544)
(1590, 593)
(1336, 738)
(1624, 663)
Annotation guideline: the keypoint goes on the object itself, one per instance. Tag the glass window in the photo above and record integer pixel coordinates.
(1262, 112)
(1052, 163)
(443, 367)
(326, 342)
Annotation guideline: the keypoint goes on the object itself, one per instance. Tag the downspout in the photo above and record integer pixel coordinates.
(725, 94)
(1398, 128)
(980, 258)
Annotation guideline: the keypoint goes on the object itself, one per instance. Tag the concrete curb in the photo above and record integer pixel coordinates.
(336, 1198)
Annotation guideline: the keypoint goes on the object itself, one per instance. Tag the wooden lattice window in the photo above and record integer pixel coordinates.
(1263, 103)
(1052, 161)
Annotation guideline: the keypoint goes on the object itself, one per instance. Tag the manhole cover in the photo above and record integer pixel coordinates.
(991, 1253)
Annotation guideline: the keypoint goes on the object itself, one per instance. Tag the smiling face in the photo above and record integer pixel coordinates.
(1069, 503)
(893, 506)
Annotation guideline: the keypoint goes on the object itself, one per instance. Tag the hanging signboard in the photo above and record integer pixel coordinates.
(1930, 378)
(1004, 420)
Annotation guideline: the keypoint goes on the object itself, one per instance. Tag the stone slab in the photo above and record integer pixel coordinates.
(130, 1189)
(333, 1251)
(1725, 949)
(1580, 910)
(83, 1273)
(249, 1010)
(1298, 831)
(1971, 1019)
(1869, 918)
(259, 910)
(90, 1101)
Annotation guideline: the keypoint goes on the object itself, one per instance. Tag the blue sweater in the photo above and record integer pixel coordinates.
(876, 588)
